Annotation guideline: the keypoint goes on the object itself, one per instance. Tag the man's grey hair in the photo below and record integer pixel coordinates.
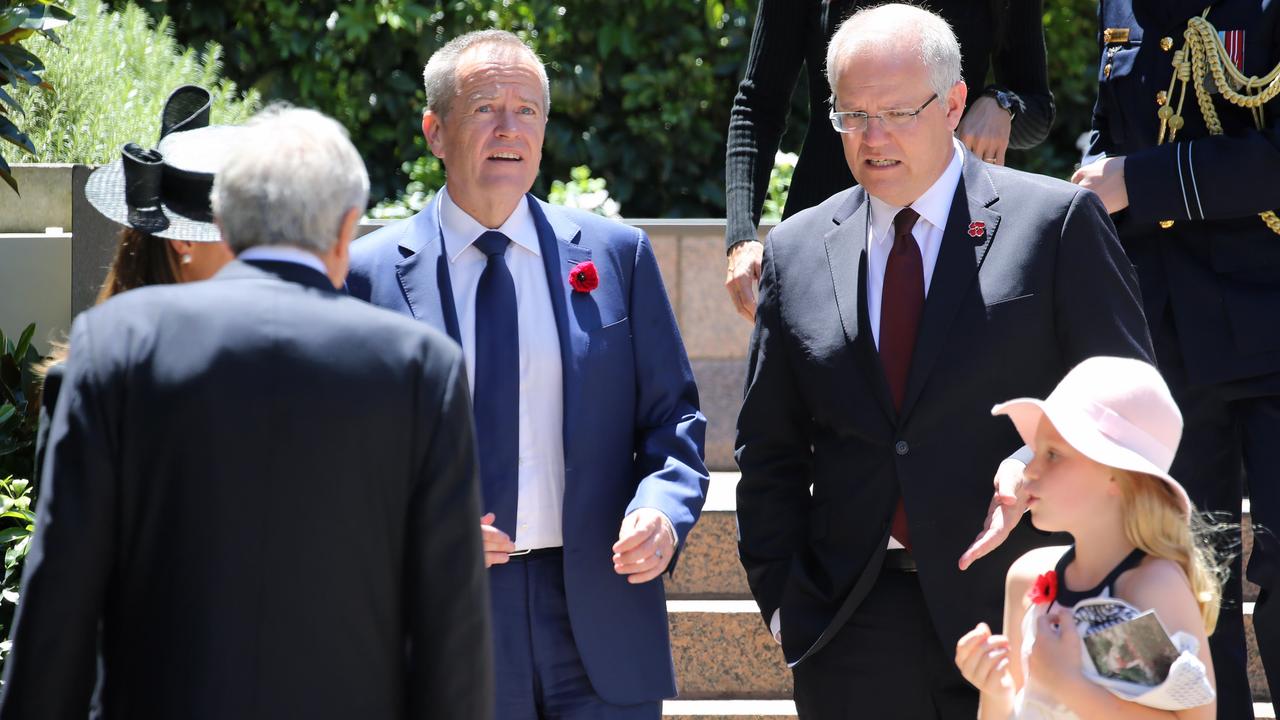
(889, 25)
(289, 180)
(440, 75)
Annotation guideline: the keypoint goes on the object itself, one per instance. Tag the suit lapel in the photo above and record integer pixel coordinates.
(959, 258)
(424, 272)
(847, 260)
(558, 240)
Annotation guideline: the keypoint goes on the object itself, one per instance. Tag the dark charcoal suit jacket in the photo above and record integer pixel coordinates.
(1045, 286)
(259, 502)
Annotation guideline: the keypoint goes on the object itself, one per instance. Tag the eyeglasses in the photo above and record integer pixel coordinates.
(855, 122)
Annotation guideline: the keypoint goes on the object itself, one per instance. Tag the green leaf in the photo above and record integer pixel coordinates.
(25, 515)
(8, 100)
(10, 132)
(8, 535)
(13, 18)
(24, 341)
(7, 411)
(7, 176)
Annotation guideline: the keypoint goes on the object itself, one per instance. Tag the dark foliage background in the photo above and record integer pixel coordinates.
(641, 89)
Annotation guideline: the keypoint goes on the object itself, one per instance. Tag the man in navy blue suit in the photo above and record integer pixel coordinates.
(587, 417)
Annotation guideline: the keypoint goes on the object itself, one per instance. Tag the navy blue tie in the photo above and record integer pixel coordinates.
(497, 392)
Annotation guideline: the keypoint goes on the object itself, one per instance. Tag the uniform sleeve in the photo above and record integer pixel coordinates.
(51, 671)
(759, 114)
(450, 660)
(1209, 178)
(1021, 66)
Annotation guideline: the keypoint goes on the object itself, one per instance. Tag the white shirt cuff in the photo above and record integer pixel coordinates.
(775, 626)
(1023, 455)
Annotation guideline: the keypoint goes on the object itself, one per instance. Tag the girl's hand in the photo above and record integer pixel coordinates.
(1055, 656)
(984, 660)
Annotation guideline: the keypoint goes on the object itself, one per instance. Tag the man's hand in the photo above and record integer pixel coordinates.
(744, 273)
(496, 543)
(1006, 508)
(985, 128)
(645, 545)
(1106, 178)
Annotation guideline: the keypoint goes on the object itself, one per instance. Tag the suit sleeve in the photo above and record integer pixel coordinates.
(670, 430)
(760, 109)
(51, 671)
(774, 452)
(1097, 303)
(1021, 66)
(450, 661)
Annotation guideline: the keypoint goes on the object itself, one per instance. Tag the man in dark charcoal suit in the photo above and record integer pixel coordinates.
(891, 318)
(260, 494)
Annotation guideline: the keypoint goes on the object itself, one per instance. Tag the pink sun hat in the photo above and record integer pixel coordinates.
(1115, 411)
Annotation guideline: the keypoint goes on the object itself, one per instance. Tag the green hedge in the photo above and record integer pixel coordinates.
(641, 90)
(111, 76)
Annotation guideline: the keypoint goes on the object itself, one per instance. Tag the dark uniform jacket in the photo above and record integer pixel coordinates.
(1217, 268)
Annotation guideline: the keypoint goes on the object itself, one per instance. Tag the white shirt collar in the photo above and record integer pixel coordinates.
(284, 253)
(934, 205)
(461, 230)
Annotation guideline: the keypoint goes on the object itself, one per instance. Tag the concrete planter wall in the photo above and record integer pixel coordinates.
(47, 276)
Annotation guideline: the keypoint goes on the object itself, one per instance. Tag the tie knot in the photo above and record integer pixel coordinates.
(492, 243)
(904, 221)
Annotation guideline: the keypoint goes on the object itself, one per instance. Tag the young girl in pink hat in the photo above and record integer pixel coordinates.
(1103, 441)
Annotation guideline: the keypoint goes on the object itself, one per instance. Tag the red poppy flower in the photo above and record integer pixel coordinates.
(1045, 589)
(977, 229)
(583, 277)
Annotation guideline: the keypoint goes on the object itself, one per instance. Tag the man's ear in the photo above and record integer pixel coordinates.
(433, 131)
(955, 104)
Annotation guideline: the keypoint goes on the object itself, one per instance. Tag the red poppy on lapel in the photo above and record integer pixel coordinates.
(583, 277)
(1045, 589)
(977, 228)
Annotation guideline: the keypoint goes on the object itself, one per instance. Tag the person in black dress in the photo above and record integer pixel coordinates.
(1005, 36)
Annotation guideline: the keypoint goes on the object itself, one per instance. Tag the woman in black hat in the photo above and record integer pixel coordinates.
(160, 198)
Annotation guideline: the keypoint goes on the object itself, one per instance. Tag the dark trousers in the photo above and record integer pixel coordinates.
(538, 673)
(886, 663)
(1231, 442)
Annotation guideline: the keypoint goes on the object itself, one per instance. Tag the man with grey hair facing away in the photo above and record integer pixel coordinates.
(891, 318)
(586, 411)
(260, 492)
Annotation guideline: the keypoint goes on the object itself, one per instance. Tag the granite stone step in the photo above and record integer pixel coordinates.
(722, 650)
(729, 709)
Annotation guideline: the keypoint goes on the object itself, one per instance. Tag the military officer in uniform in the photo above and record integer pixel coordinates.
(1185, 153)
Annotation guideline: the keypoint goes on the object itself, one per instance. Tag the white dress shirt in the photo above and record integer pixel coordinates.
(934, 207)
(541, 470)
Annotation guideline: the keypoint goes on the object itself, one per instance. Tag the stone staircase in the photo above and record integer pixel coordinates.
(727, 665)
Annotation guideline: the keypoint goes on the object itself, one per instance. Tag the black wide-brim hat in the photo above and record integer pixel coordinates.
(165, 192)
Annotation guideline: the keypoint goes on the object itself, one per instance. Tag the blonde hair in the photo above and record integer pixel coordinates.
(1154, 523)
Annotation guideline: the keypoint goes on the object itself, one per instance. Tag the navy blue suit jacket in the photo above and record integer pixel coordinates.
(633, 434)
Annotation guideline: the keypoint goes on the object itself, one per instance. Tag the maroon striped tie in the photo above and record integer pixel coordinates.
(901, 304)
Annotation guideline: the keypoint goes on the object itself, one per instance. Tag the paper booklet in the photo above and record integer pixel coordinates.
(1123, 643)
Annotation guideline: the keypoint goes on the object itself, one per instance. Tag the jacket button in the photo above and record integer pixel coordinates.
(1166, 44)
(901, 447)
